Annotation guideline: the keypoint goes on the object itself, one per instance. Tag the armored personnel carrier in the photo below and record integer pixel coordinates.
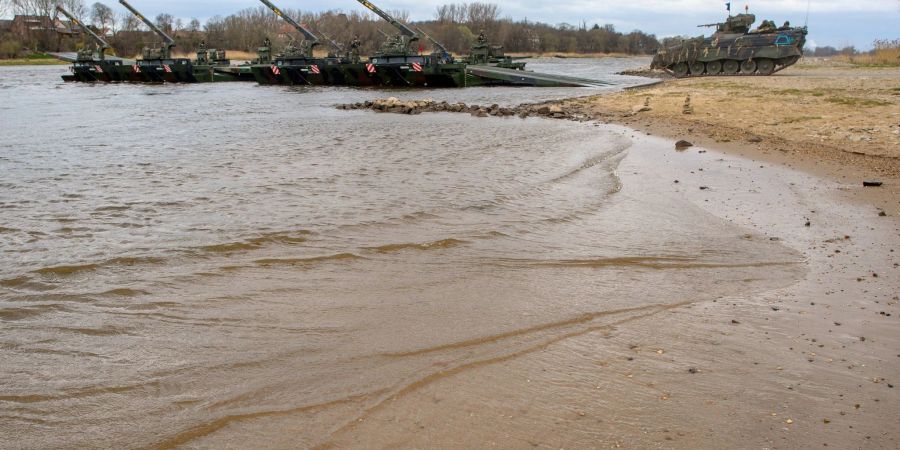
(483, 53)
(90, 66)
(735, 49)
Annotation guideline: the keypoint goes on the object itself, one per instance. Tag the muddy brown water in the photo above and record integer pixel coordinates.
(179, 260)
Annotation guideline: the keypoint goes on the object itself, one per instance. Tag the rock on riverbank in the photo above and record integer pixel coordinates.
(412, 107)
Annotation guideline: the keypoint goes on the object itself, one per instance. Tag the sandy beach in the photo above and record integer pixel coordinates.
(812, 364)
(809, 365)
(815, 113)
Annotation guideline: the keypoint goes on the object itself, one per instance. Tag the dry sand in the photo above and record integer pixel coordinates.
(817, 113)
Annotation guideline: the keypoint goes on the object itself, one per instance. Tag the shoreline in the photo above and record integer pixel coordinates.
(857, 140)
(807, 365)
(32, 62)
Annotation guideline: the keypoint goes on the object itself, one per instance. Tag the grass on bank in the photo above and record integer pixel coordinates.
(857, 102)
(885, 54)
(35, 59)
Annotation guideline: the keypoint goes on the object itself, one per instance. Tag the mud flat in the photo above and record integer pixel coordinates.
(812, 364)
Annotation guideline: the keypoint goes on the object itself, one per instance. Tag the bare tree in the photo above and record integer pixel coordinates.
(165, 22)
(482, 15)
(102, 16)
(33, 7)
(77, 7)
(130, 23)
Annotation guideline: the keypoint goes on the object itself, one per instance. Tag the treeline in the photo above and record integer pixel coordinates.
(456, 26)
(827, 51)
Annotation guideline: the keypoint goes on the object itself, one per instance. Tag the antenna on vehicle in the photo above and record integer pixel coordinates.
(806, 22)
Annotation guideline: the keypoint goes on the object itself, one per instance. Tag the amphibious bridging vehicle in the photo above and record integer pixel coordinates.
(158, 65)
(90, 68)
(296, 64)
(399, 63)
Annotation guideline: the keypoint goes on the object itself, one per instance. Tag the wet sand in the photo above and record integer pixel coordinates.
(811, 365)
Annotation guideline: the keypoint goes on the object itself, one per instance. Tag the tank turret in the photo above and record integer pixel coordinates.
(400, 45)
(483, 53)
(738, 24)
(87, 54)
(440, 51)
(307, 44)
(735, 49)
(337, 49)
(153, 53)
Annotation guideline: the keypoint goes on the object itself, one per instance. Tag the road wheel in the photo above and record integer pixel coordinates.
(765, 66)
(731, 67)
(713, 67)
(680, 70)
(697, 68)
(748, 67)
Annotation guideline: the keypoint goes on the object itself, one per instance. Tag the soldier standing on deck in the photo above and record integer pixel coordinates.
(355, 44)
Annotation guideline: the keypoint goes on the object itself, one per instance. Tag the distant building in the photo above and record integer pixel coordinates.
(28, 25)
(24, 25)
(43, 33)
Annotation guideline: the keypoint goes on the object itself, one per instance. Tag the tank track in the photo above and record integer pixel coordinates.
(778, 66)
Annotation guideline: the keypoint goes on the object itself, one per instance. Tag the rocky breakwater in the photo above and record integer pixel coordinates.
(412, 107)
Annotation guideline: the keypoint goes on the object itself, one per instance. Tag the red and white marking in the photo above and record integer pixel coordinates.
(416, 67)
(98, 69)
(370, 68)
(276, 70)
(136, 68)
(314, 69)
(167, 68)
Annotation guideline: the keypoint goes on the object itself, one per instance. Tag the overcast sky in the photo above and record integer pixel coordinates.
(831, 22)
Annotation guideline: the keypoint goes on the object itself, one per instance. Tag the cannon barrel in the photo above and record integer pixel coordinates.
(165, 37)
(396, 23)
(433, 41)
(309, 35)
(103, 44)
(332, 42)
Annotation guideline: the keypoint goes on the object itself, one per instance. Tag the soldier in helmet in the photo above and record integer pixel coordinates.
(766, 26)
(786, 26)
(355, 45)
(481, 37)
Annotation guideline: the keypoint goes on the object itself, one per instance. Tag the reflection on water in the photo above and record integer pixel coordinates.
(181, 261)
